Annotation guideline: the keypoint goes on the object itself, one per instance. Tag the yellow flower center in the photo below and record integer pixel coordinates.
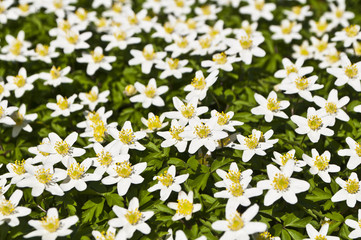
(182, 43)
(120, 35)
(126, 136)
(251, 141)
(81, 13)
(72, 37)
(44, 176)
(6, 207)
(133, 217)
(179, 3)
(213, 32)
(236, 189)
(150, 91)
(358, 149)
(63, 103)
(62, 147)
(104, 158)
(51, 224)
(259, 4)
(24, 7)
(321, 26)
(1, 91)
(223, 118)
(357, 48)
(75, 171)
(333, 58)
(291, 69)
(168, 27)
(202, 130)
(55, 72)
(102, 22)
(42, 50)
(64, 25)
(339, 13)
(154, 123)
(15, 47)
(248, 29)
(287, 28)
(94, 117)
(184, 207)
(273, 105)
(18, 118)
(43, 153)
(106, 236)
(175, 131)
(314, 122)
(246, 42)
(92, 96)
(297, 10)
(265, 236)
(172, 63)
(352, 186)
(280, 182)
(302, 83)
(130, 90)
(166, 179)
(206, 10)
(351, 31)
(234, 176)
(117, 7)
(205, 42)
(19, 81)
(191, 23)
(132, 19)
(331, 107)
(58, 3)
(220, 58)
(124, 169)
(97, 56)
(199, 83)
(99, 130)
(188, 111)
(322, 46)
(235, 223)
(351, 71)
(18, 167)
(286, 157)
(148, 53)
(321, 162)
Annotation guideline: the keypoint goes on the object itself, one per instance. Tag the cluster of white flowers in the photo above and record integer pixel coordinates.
(58, 166)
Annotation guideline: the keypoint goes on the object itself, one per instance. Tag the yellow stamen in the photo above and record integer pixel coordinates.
(235, 223)
(199, 83)
(123, 169)
(42, 50)
(351, 71)
(246, 42)
(314, 122)
(81, 13)
(75, 171)
(172, 63)
(15, 47)
(104, 158)
(63, 103)
(166, 179)
(205, 42)
(259, 4)
(286, 157)
(287, 28)
(126, 136)
(234, 176)
(120, 35)
(331, 108)
(351, 31)
(175, 131)
(220, 58)
(168, 27)
(251, 141)
(19, 81)
(273, 105)
(280, 182)
(133, 217)
(92, 96)
(44, 176)
(62, 148)
(97, 56)
(236, 189)
(301, 83)
(18, 167)
(202, 130)
(154, 123)
(55, 72)
(352, 186)
(321, 162)
(6, 207)
(51, 224)
(223, 118)
(291, 69)
(184, 207)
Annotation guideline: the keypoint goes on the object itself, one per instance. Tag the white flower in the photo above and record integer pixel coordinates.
(320, 47)
(106, 3)
(21, 82)
(255, 143)
(17, 48)
(5, 113)
(350, 191)
(126, 139)
(81, 17)
(72, 40)
(51, 227)
(258, 9)
(56, 76)
(298, 13)
(64, 106)
(354, 152)
(150, 94)
(338, 14)
(16, 171)
(168, 182)
(220, 61)
(166, 30)
(40, 178)
(332, 107)
(3, 187)
(290, 69)
(287, 31)
(302, 86)
(206, 45)
(349, 35)
(320, 165)
(349, 73)
(130, 220)
(282, 160)
(200, 85)
(173, 7)
(224, 122)
(154, 122)
(185, 111)
(4, 91)
(246, 46)
(181, 45)
(22, 121)
(146, 58)
(120, 38)
(172, 137)
(207, 12)
(313, 234)
(314, 125)
(202, 133)
(93, 97)
(59, 7)
(320, 27)
(356, 233)
(43, 53)
(77, 176)
(184, 207)
(96, 60)
(239, 226)
(41, 157)
(10, 211)
(331, 59)
(270, 107)
(109, 234)
(61, 150)
(280, 184)
(173, 67)
(303, 51)
(4, 14)
(234, 174)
